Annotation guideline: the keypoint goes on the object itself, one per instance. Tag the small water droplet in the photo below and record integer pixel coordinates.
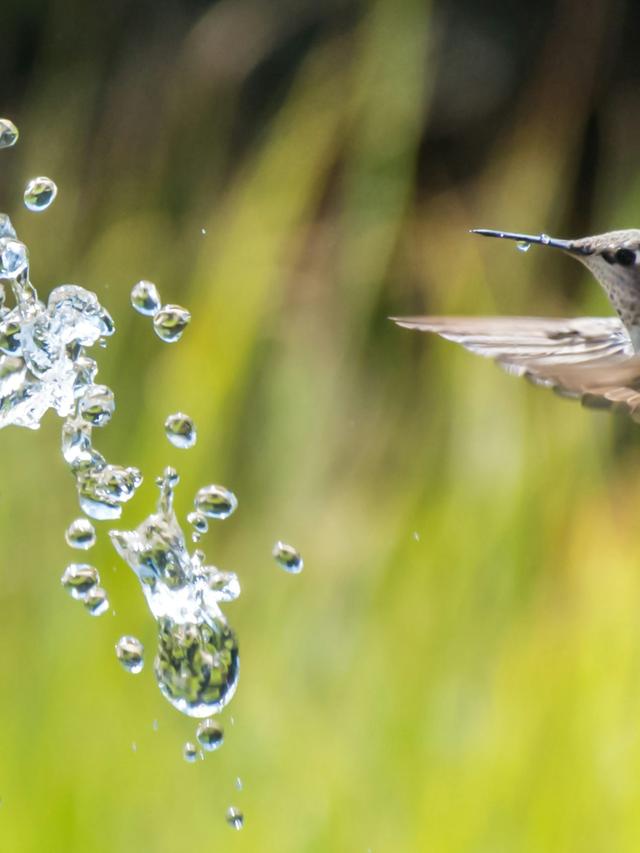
(6, 228)
(544, 238)
(170, 321)
(238, 783)
(210, 735)
(40, 193)
(8, 133)
(416, 535)
(145, 298)
(96, 601)
(130, 653)
(81, 534)
(155, 725)
(523, 246)
(190, 752)
(288, 557)
(97, 405)
(199, 523)
(134, 746)
(14, 258)
(79, 579)
(203, 231)
(235, 818)
(215, 501)
(180, 430)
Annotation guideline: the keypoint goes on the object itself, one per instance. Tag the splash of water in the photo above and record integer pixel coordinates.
(197, 662)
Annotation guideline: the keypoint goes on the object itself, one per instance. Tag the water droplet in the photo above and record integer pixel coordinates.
(170, 322)
(96, 601)
(8, 133)
(97, 405)
(79, 579)
(81, 534)
(238, 783)
(134, 746)
(40, 193)
(14, 258)
(130, 653)
(523, 246)
(235, 818)
(210, 735)
(288, 557)
(203, 231)
(180, 430)
(215, 502)
(545, 239)
(190, 752)
(199, 523)
(155, 725)
(145, 298)
(416, 535)
(6, 228)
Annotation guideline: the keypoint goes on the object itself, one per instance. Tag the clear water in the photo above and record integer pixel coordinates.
(130, 653)
(288, 558)
(145, 298)
(81, 534)
(40, 193)
(170, 322)
(197, 663)
(180, 430)
(8, 133)
(210, 735)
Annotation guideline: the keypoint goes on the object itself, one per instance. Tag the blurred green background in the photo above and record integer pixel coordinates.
(458, 667)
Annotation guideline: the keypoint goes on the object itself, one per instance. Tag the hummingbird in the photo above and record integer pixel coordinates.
(592, 359)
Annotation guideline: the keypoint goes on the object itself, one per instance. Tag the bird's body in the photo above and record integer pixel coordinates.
(594, 359)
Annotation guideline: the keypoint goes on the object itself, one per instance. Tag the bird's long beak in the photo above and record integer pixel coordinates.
(571, 246)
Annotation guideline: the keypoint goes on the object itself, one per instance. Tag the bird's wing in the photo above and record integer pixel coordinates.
(589, 358)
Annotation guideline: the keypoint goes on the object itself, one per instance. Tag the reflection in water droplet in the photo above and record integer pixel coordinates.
(215, 502)
(523, 246)
(180, 430)
(145, 298)
(190, 752)
(130, 653)
(40, 193)
(81, 534)
(170, 322)
(79, 579)
(235, 818)
(97, 405)
(210, 735)
(8, 133)
(288, 557)
(96, 601)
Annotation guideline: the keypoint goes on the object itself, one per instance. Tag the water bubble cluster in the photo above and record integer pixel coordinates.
(130, 653)
(197, 663)
(288, 558)
(39, 194)
(180, 430)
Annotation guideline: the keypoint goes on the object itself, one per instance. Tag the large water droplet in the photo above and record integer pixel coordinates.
(96, 601)
(210, 735)
(145, 298)
(215, 501)
(170, 322)
(288, 557)
(79, 579)
(97, 405)
(235, 818)
(40, 193)
(8, 133)
(81, 534)
(180, 430)
(190, 752)
(523, 246)
(130, 653)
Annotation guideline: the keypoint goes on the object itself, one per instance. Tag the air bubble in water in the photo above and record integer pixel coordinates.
(190, 752)
(8, 133)
(130, 653)
(145, 298)
(96, 601)
(523, 246)
(210, 735)
(80, 579)
(180, 430)
(235, 818)
(170, 322)
(288, 557)
(215, 502)
(81, 534)
(97, 405)
(40, 193)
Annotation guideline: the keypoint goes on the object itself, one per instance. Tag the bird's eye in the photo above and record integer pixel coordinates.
(625, 257)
